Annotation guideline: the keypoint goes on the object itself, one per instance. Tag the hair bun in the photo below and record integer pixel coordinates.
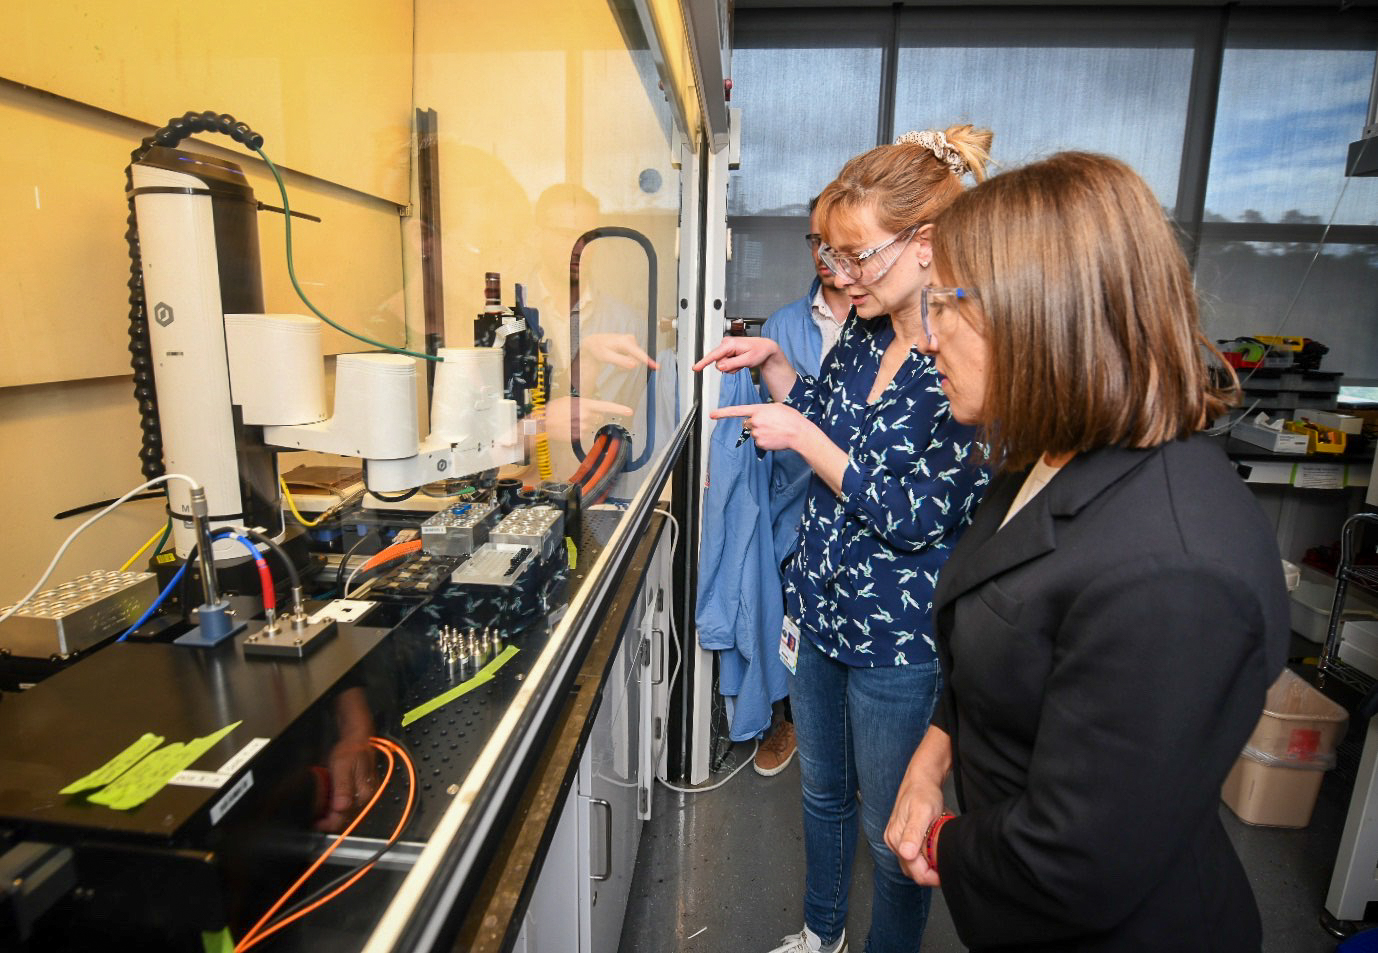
(936, 142)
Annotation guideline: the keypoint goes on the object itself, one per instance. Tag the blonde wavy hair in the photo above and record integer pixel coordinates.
(907, 183)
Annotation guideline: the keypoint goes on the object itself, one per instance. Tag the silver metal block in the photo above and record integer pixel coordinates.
(458, 530)
(78, 614)
(290, 641)
(494, 564)
(539, 527)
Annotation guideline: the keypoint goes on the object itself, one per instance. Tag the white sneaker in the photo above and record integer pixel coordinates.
(807, 941)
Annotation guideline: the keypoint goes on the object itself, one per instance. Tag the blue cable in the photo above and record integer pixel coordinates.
(253, 550)
(162, 596)
(148, 613)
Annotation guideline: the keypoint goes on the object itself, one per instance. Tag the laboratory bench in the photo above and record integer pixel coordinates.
(535, 756)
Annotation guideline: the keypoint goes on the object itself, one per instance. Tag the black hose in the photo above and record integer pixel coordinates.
(281, 554)
(88, 507)
(401, 498)
(576, 253)
(140, 355)
(344, 562)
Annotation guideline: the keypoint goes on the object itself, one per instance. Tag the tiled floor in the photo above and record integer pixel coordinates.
(723, 871)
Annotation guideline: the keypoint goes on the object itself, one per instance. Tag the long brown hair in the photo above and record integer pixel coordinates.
(906, 183)
(1088, 310)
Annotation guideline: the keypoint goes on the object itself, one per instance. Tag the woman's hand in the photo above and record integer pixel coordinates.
(734, 353)
(590, 413)
(352, 782)
(773, 426)
(619, 350)
(917, 806)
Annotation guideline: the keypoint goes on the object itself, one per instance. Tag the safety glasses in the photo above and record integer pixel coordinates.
(869, 266)
(934, 302)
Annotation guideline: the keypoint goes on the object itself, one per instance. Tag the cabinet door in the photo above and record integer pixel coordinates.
(609, 777)
(659, 670)
(551, 917)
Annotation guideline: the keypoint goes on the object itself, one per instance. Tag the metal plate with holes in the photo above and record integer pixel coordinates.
(539, 527)
(77, 614)
(494, 564)
(458, 530)
(289, 640)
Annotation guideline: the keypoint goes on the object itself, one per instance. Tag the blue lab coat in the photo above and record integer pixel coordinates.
(751, 509)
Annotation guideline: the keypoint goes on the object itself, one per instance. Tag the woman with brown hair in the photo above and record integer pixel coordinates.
(1111, 622)
(890, 494)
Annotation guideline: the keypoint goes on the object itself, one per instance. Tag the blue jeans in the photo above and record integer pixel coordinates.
(858, 728)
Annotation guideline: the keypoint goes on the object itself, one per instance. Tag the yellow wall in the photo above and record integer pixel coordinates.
(328, 84)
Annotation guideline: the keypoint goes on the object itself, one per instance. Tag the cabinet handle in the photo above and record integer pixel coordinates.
(607, 839)
(658, 638)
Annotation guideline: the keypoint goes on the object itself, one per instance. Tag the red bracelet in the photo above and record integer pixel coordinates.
(930, 839)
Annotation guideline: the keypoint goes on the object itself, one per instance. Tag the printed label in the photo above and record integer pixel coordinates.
(231, 798)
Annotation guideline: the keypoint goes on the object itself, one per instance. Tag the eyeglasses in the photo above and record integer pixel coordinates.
(933, 300)
(868, 266)
(813, 239)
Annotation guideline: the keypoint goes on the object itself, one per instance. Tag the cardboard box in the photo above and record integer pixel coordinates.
(1275, 779)
(1299, 724)
(1271, 795)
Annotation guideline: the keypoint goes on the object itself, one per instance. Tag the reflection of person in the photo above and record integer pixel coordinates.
(806, 331)
(351, 764)
(1111, 622)
(893, 487)
(612, 350)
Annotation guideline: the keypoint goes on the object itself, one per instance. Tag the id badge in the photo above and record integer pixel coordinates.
(789, 644)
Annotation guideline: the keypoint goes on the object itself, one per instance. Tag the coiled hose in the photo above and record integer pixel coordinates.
(542, 438)
(140, 353)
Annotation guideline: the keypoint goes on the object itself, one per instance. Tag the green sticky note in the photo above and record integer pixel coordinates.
(144, 780)
(116, 766)
(483, 676)
(152, 774)
(201, 745)
(220, 942)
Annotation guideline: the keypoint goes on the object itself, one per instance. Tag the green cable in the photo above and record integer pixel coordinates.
(292, 271)
(162, 541)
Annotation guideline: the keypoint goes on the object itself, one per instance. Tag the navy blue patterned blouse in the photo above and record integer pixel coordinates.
(860, 580)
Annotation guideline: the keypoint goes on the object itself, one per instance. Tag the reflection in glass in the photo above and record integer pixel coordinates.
(586, 179)
(1282, 132)
(1246, 288)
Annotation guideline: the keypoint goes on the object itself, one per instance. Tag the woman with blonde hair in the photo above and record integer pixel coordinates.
(1111, 622)
(892, 489)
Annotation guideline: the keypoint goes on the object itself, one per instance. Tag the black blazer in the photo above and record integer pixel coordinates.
(1105, 657)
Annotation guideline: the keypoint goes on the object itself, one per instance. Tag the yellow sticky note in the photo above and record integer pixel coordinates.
(116, 766)
(152, 774)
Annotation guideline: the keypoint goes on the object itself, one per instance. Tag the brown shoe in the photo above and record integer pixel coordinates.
(776, 750)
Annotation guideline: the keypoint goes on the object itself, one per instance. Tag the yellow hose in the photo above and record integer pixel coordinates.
(142, 549)
(542, 440)
(292, 505)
